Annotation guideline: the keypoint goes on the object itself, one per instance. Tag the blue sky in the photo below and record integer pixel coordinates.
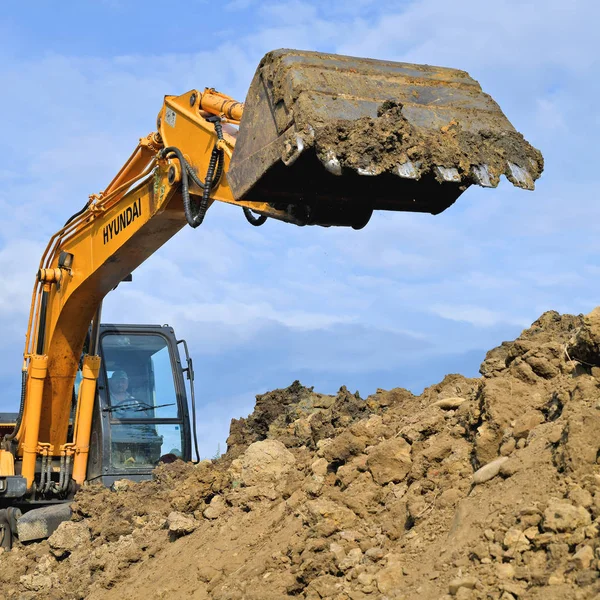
(400, 303)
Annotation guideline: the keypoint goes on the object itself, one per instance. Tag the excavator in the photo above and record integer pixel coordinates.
(320, 140)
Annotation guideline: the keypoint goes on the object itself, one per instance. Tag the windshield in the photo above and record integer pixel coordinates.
(141, 388)
(140, 377)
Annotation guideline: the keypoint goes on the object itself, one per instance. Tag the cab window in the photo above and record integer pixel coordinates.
(141, 393)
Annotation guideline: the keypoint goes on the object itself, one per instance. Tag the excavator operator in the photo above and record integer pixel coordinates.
(133, 443)
(125, 406)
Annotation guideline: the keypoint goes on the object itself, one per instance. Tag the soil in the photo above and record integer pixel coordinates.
(379, 145)
(392, 114)
(481, 488)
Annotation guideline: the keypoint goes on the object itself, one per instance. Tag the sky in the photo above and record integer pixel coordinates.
(400, 303)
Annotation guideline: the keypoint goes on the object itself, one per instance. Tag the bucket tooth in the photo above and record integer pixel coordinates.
(483, 177)
(409, 170)
(332, 163)
(520, 177)
(293, 148)
(447, 173)
(368, 171)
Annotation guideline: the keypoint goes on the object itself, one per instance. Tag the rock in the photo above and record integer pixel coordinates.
(558, 551)
(508, 446)
(585, 344)
(68, 537)
(266, 461)
(339, 517)
(352, 559)
(390, 461)
(509, 468)
(449, 403)
(523, 371)
(323, 401)
(505, 571)
(449, 498)
(530, 516)
(526, 423)
(562, 516)
(583, 558)
(390, 580)
(489, 471)
(580, 497)
(516, 541)
(556, 578)
(343, 447)
(587, 577)
(531, 533)
(122, 485)
(338, 552)
(180, 524)
(514, 588)
(463, 582)
(365, 578)
(543, 367)
(319, 467)
(38, 583)
(371, 430)
(216, 508)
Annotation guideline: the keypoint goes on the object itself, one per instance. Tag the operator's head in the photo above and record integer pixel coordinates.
(119, 381)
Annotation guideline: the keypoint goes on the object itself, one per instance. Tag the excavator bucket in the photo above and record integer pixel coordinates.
(341, 135)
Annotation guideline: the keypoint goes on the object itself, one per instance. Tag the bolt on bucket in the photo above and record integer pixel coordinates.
(325, 129)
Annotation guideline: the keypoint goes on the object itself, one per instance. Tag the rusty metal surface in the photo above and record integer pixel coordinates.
(321, 128)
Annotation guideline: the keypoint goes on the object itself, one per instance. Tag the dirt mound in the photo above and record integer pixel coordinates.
(477, 488)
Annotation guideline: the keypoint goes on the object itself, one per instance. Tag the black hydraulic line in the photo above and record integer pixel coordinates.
(195, 214)
(95, 334)
(43, 472)
(42, 326)
(191, 377)
(256, 220)
(61, 477)
(194, 419)
(48, 485)
(75, 215)
(12, 435)
(67, 479)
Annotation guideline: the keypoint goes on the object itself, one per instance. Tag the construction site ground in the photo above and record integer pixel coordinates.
(479, 488)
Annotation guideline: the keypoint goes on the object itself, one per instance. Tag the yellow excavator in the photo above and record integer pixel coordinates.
(320, 140)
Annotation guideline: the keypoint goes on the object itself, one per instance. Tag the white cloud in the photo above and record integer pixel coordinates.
(476, 315)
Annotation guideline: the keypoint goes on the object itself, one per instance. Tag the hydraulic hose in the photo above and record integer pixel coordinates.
(257, 221)
(74, 216)
(195, 214)
(12, 435)
(194, 432)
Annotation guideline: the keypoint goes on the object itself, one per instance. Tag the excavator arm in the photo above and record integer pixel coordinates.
(151, 198)
(321, 140)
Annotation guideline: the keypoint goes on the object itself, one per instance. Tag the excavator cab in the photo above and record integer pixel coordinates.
(136, 424)
(141, 417)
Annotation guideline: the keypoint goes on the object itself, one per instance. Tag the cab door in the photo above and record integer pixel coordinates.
(142, 416)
